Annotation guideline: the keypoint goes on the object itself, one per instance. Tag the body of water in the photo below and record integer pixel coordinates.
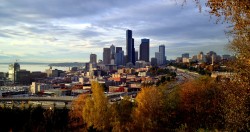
(31, 67)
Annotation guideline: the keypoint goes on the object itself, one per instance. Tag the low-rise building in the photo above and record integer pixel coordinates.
(39, 87)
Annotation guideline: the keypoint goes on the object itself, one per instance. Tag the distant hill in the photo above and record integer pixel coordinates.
(68, 64)
(26, 63)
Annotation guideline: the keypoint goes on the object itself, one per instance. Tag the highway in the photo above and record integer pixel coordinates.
(51, 102)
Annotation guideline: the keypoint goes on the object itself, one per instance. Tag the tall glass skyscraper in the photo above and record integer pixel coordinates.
(144, 50)
(130, 47)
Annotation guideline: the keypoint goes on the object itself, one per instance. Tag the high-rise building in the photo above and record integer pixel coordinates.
(13, 68)
(93, 58)
(133, 51)
(160, 56)
(153, 61)
(23, 77)
(144, 50)
(136, 55)
(118, 49)
(201, 57)
(106, 55)
(130, 47)
(211, 57)
(112, 51)
(119, 58)
(185, 55)
(112, 54)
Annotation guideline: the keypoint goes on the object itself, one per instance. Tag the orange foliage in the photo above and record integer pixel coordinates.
(75, 114)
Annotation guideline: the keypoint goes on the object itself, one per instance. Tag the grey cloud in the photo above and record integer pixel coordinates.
(156, 20)
(59, 8)
(87, 33)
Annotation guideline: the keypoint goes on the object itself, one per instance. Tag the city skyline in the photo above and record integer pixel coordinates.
(63, 31)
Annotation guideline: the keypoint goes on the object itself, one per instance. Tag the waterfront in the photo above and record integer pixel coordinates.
(31, 67)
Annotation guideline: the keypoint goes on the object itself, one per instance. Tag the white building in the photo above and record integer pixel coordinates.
(39, 87)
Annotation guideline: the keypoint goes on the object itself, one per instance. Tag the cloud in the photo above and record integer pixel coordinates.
(64, 28)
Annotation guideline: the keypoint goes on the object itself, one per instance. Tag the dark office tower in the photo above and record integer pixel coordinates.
(106, 55)
(153, 61)
(129, 46)
(118, 49)
(136, 55)
(93, 58)
(133, 51)
(144, 50)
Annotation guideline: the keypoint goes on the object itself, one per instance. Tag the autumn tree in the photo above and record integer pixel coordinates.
(96, 111)
(149, 115)
(236, 13)
(200, 104)
(75, 115)
(122, 115)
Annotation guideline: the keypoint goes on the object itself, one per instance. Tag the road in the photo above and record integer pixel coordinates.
(182, 76)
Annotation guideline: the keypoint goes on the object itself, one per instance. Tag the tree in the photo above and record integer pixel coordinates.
(237, 14)
(149, 115)
(96, 111)
(200, 104)
(122, 115)
(75, 115)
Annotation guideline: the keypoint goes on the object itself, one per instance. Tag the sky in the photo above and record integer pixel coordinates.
(70, 30)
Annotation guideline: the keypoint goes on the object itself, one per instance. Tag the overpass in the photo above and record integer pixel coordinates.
(65, 99)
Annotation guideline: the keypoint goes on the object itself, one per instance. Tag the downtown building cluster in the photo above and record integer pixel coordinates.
(118, 71)
(130, 57)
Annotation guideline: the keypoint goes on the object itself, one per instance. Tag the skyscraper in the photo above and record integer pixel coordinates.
(133, 51)
(130, 47)
(162, 51)
(118, 49)
(13, 68)
(112, 54)
(106, 55)
(119, 56)
(93, 58)
(136, 55)
(112, 51)
(144, 50)
(160, 56)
